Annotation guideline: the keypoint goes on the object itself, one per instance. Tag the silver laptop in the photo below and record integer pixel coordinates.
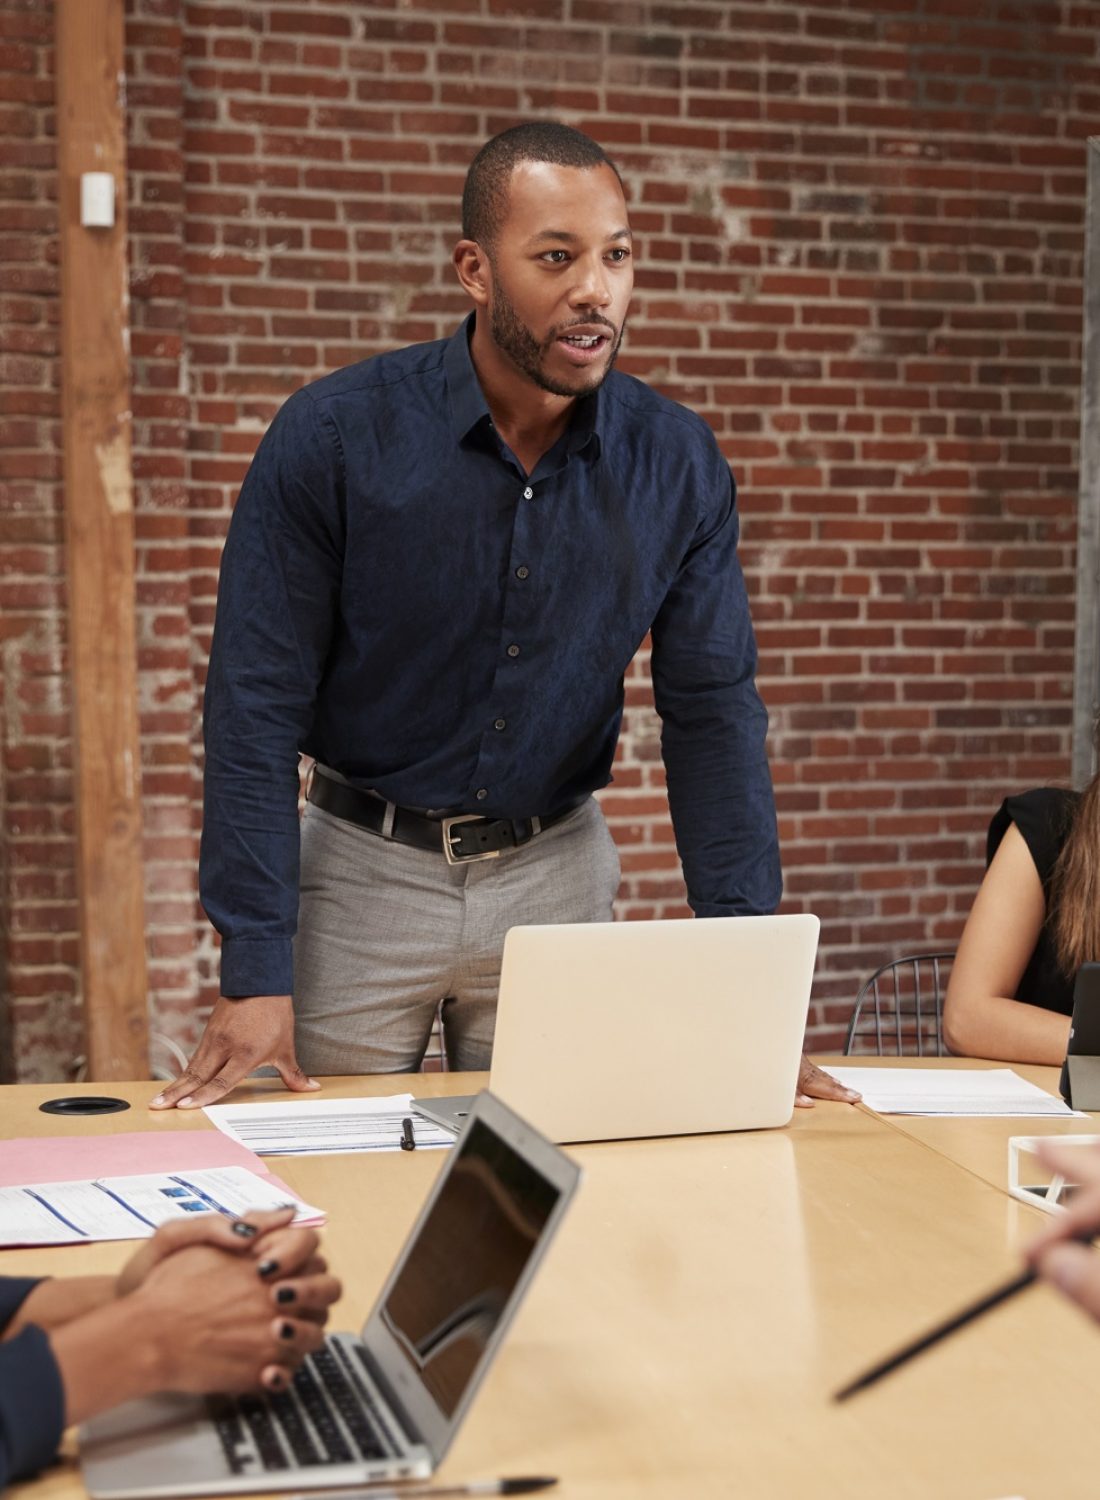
(613, 1030)
(387, 1404)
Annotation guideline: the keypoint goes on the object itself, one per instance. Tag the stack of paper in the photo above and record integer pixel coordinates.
(318, 1126)
(949, 1091)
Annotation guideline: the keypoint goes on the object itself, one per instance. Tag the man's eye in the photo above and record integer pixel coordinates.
(556, 257)
(618, 255)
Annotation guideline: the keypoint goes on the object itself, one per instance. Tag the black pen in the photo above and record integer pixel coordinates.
(408, 1140)
(934, 1335)
(909, 1351)
(475, 1487)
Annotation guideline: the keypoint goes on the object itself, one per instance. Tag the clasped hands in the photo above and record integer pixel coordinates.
(208, 1305)
(255, 1292)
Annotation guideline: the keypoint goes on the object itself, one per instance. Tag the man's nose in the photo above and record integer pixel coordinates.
(591, 288)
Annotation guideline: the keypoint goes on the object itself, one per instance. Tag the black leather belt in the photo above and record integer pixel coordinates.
(459, 839)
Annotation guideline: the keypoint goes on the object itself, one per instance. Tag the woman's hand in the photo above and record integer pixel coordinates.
(237, 1236)
(218, 1323)
(201, 1319)
(286, 1259)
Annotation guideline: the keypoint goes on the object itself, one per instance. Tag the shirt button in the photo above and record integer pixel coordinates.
(513, 650)
(528, 493)
(523, 572)
(498, 723)
(482, 793)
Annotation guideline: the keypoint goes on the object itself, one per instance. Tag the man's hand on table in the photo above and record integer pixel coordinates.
(815, 1083)
(240, 1036)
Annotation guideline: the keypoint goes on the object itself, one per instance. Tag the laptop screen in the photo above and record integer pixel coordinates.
(463, 1266)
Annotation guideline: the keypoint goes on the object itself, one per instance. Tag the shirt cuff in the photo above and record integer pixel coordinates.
(32, 1404)
(14, 1291)
(257, 966)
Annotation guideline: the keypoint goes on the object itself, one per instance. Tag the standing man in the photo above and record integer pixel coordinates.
(440, 566)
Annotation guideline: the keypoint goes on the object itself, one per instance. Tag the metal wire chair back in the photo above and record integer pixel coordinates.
(898, 1011)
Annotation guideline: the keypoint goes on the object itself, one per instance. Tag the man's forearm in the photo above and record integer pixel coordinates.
(724, 820)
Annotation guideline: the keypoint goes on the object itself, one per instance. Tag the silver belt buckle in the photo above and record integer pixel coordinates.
(463, 859)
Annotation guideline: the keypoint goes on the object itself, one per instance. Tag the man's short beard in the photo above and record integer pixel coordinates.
(517, 341)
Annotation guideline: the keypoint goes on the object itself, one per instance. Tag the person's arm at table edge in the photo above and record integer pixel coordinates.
(713, 722)
(32, 1405)
(48, 1380)
(53, 1369)
(713, 735)
(270, 643)
(979, 1018)
(52, 1301)
(160, 1341)
(278, 596)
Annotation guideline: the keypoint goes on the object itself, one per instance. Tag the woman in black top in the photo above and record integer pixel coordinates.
(1033, 923)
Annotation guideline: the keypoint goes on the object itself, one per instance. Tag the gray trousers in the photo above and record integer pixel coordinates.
(386, 932)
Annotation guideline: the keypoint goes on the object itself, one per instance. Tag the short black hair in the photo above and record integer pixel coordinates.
(485, 194)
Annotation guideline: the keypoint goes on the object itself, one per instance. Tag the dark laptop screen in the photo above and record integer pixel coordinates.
(462, 1269)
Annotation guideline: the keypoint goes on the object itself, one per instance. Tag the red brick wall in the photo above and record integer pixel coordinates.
(861, 255)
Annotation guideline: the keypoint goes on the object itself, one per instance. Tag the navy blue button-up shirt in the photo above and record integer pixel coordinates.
(401, 601)
(32, 1402)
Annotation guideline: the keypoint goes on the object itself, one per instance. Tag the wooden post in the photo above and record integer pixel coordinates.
(100, 535)
(1086, 676)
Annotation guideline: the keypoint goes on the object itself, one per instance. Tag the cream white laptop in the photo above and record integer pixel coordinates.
(385, 1404)
(613, 1030)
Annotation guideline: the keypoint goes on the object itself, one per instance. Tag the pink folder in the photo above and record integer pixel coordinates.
(80, 1158)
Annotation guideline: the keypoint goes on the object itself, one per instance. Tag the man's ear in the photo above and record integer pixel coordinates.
(472, 267)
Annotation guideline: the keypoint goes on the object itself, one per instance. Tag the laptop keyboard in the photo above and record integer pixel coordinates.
(327, 1417)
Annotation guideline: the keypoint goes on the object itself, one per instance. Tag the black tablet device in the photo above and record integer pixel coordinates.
(1080, 1081)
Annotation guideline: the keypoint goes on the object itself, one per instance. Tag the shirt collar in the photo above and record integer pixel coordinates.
(469, 408)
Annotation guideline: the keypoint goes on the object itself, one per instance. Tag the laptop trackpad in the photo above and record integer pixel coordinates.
(149, 1442)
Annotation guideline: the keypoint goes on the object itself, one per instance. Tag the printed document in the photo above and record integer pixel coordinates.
(307, 1127)
(950, 1091)
(130, 1208)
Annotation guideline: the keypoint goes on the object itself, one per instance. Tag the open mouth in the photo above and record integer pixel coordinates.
(583, 348)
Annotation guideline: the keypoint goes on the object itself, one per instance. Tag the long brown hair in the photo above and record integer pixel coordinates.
(1075, 885)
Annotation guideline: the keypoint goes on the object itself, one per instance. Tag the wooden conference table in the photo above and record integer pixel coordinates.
(707, 1294)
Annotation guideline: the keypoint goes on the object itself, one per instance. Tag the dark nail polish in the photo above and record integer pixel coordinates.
(267, 1267)
(286, 1330)
(246, 1231)
(277, 1382)
(285, 1294)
